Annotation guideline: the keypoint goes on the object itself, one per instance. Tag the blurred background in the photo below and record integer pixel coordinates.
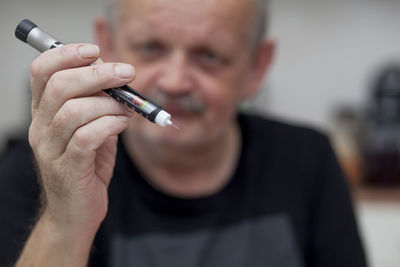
(337, 69)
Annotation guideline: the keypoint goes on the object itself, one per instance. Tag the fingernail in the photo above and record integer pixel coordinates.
(123, 119)
(89, 51)
(124, 70)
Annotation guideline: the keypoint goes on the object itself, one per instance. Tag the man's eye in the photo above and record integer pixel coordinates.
(209, 59)
(150, 50)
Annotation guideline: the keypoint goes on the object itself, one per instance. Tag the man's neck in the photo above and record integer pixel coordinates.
(188, 172)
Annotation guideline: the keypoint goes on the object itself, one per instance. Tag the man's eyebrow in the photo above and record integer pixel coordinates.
(138, 38)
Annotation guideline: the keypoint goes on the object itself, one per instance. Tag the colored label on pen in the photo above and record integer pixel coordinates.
(144, 104)
(140, 102)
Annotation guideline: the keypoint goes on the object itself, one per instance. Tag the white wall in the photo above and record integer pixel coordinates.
(327, 51)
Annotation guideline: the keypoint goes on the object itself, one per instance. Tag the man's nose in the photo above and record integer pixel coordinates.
(174, 77)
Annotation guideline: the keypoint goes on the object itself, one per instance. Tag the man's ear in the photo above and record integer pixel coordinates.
(103, 35)
(261, 61)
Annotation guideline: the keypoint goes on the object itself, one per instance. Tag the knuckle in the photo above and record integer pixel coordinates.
(97, 73)
(56, 85)
(82, 138)
(59, 120)
(104, 73)
(63, 50)
(38, 144)
(69, 111)
(42, 155)
(37, 71)
(62, 120)
(36, 68)
(32, 136)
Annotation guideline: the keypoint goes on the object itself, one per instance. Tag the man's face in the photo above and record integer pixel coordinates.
(192, 57)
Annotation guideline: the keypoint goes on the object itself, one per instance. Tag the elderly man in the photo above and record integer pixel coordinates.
(223, 190)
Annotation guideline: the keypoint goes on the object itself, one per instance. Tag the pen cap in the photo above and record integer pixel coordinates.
(30, 33)
(162, 118)
(23, 29)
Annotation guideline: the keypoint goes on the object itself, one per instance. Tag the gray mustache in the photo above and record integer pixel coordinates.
(187, 103)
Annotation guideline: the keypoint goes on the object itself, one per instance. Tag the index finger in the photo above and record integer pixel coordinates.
(54, 60)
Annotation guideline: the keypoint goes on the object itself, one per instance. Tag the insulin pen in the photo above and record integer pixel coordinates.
(29, 33)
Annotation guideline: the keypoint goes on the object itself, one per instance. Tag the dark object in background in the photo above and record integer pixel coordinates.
(381, 145)
(347, 126)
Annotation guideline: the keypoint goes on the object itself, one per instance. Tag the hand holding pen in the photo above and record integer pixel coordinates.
(73, 135)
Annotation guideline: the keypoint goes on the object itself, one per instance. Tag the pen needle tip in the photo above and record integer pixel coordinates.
(173, 125)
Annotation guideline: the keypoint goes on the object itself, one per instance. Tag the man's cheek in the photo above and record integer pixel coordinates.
(222, 109)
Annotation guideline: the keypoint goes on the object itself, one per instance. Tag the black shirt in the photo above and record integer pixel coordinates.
(287, 204)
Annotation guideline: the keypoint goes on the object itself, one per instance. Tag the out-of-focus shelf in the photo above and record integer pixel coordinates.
(377, 194)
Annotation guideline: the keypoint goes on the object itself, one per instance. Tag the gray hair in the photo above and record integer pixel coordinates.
(260, 23)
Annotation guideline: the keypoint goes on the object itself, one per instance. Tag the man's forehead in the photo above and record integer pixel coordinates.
(236, 6)
(234, 13)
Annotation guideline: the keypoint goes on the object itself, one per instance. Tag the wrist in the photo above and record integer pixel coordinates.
(75, 215)
(65, 231)
(54, 244)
